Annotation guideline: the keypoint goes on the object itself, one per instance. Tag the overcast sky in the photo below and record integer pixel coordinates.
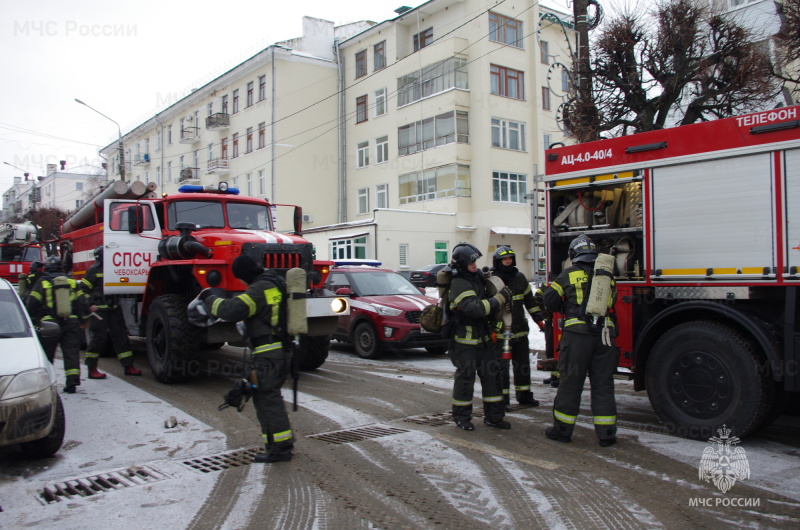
(128, 60)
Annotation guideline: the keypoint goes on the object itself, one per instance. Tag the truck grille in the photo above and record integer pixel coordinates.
(282, 261)
(413, 316)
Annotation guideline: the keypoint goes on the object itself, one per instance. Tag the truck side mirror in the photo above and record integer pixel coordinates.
(298, 220)
(136, 219)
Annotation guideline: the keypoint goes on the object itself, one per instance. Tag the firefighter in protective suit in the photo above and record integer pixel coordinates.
(504, 264)
(471, 313)
(582, 349)
(56, 298)
(107, 319)
(260, 307)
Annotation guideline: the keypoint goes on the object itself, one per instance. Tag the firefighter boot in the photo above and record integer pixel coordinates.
(132, 370)
(275, 453)
(553, 434)
(94, 373)
(72, 383)
(526, 398)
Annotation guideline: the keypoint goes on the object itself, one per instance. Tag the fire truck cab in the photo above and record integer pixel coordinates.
(704, 223)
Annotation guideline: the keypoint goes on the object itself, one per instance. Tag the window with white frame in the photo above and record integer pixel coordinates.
(508, 134)
(362, 155)
(381, 149)
(210, 151)
(169, 171)
(250, 184)
(262, 182)
(79, 186)
(158, 139)
(402, 256)
(433, 132)
(381, 195)
(363, 201)
(433, 79)
(452, 180)
(169, 134)
(380, 102)
(547, 139)
(545, 98)
(509, 187)
(349, 248)
(158, 177)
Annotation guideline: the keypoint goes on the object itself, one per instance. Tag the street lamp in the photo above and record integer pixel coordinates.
(121, 152)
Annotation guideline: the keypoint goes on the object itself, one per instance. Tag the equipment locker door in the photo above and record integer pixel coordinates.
(128, 257)
(792, 211)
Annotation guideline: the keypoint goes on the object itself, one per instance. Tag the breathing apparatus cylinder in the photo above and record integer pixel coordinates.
(597, 305)
(296, 324)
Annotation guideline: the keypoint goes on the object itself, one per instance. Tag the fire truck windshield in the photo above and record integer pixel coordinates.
(18, 253)
(247, 216)
(205, 214)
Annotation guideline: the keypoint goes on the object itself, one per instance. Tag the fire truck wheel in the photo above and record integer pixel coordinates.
(702, 375)
(313, 352)
(365, 340)
(171, 340)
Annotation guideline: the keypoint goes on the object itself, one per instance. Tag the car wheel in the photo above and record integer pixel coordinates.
(50, 444)
(365, 340)
(436, 350)
(702, 375)
(171, 340)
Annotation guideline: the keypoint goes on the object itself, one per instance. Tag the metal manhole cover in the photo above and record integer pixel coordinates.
(441, 418)
(357, 435)
(88, 486)
(209, 464)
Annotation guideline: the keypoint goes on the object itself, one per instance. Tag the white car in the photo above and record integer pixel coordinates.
(31, 413)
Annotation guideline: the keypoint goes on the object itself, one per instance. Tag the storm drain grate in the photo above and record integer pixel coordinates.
(88, 486)
(357, 435)
(209, 464)
(442, 418)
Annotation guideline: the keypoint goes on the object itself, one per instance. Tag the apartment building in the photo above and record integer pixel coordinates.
(399, 139)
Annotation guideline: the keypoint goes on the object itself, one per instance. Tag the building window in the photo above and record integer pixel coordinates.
(158, 139)
(545, 98)
(547, 139)
(250, 93)
(225, 104)
(382, 196)
(440, 130)
(158, 177)
(544, 52)
(509, 187)
(169, 134)
(381, 149)
(169, 171)
(196, 158)
(250, 184)
(361, 64)
(452, 180)
(433, 79)
(505, 30)
(423, 38)
(506, 82)
(181, 162)
(363, 201)
(210, 108)
(235, 182)
(379, 55)
(361, 109)
(352, 248)
(78, 203)
(79, 186)
(508, 134)
(262, 128)
(224, 144)
(402, 257)
(362, 155)
(440, 253)
(566, 82)
(235, 101)
(262, 182)
(210, 151)
(380, 102)
(249, 144)
(235, 145)
(262, 87)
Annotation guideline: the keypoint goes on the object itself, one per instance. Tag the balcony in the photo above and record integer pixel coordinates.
(190, 135)
(189, 175)
(218, 166)
(141, 160)
(220, 120)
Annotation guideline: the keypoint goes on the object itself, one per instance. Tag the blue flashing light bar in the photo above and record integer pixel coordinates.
(222, 188)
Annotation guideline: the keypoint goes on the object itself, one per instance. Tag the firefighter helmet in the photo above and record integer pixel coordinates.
(582, 249)
(36, 266)
(53, 264)
(98, 253)
(463, 255)
(501, 253)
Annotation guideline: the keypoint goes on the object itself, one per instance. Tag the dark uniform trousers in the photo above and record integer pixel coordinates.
(520, 363)
(582, 353)
(70, 338)
(113, 323)
(272, 364)
(469, 359)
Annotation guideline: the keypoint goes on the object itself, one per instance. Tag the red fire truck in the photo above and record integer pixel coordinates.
(159, 252)
(19, 247)
(704, 224)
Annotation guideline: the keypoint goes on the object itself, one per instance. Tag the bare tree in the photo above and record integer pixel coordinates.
(49, 219)
(679, 64)
(787, 63)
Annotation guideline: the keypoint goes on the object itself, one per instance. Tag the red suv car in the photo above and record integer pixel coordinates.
(384, 311)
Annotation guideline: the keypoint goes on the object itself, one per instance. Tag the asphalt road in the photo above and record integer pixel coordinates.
(375, 449)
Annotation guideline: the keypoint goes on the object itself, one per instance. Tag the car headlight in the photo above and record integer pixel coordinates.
(28, 382)
(387, 311)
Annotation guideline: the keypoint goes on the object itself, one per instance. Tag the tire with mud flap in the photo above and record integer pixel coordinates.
(313, 352)
(50, 444)
(365, 341)
(702, 375)
(172, 342)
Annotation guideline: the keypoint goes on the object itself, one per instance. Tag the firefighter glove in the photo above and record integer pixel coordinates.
(503, 296)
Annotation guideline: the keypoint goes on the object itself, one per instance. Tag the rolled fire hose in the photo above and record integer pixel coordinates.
(597, 305)
(494, 285)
